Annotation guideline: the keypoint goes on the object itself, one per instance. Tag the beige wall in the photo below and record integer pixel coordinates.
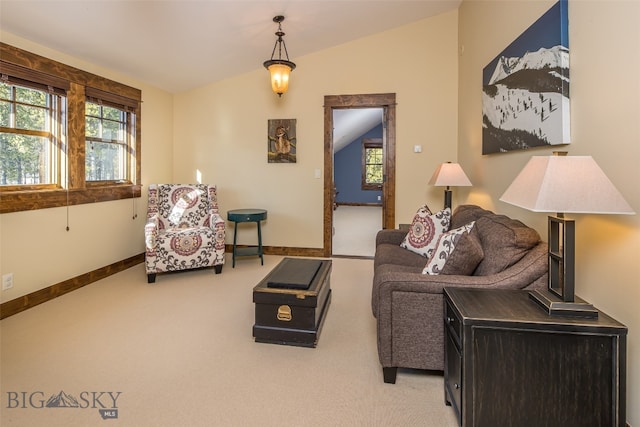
(218, 132)
(35, 245)
(221, 129)
(604, 41)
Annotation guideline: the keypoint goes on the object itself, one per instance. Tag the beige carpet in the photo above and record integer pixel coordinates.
(180, 353)
(355, 229)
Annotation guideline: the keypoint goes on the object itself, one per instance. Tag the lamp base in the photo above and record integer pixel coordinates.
(447, 198)
(554, 306)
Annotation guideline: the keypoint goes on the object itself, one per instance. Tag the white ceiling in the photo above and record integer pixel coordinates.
(179, 45)
(348, 124)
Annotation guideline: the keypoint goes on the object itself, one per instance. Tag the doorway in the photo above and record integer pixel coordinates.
(387, 103)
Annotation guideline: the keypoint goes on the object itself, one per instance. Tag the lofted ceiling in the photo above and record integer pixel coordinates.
(178, 45)
(348, 124)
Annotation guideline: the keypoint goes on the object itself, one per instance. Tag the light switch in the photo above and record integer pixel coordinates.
(318, 174)
(417, 148)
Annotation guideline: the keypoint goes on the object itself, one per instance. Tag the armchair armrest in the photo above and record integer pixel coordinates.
(151, 231)
(215, 219)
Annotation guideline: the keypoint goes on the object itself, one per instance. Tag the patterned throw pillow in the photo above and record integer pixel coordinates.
(425, 230)
(458, 251)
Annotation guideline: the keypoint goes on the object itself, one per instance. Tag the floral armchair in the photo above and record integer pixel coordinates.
(184, 229)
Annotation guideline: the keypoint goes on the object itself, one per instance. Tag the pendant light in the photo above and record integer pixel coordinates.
(279, 68)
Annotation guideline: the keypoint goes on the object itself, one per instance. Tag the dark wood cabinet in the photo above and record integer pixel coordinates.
(508, 363)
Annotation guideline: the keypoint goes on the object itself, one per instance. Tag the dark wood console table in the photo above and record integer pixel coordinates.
(508, 363)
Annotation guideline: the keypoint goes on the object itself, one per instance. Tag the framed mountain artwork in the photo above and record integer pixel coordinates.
(525, 89)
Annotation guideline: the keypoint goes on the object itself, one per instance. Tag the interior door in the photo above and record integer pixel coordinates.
(387, 102)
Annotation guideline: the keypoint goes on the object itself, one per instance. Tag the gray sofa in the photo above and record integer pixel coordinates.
(408, 305)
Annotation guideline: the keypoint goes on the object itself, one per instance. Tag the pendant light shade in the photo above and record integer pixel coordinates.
(280, 68)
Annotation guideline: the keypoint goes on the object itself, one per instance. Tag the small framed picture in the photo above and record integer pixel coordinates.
(281, 140)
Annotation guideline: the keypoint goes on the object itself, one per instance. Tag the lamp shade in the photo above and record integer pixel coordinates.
(565, 184)
(449, 175)
(279, 77)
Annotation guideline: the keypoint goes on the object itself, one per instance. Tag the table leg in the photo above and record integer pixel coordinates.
(260, 243)
(235, 236)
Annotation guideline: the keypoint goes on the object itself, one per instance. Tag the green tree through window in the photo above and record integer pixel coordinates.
(30, 126)
(107, 139)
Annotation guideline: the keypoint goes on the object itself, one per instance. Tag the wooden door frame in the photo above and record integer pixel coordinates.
(386, 101)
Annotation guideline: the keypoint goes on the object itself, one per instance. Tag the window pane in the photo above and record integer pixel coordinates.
(374, 155)
(5, 91)
(5, 114)
(111, 113)
(31, 96)
(104, 161)
(106, 154)
(25, 160)
(32, 118)
(92, 127)
(91, 109)
(374, 174)
(111, 130)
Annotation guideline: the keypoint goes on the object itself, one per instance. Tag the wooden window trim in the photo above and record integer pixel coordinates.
(78, 84)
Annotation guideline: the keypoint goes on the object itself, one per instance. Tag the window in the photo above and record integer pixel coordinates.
(67, 136)
(31, 126)
(372, 166)
(108, 139)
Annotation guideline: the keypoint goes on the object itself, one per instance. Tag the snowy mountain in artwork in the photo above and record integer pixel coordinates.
(556, 57)
(526, 102)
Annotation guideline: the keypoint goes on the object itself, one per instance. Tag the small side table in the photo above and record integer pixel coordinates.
(247, 215)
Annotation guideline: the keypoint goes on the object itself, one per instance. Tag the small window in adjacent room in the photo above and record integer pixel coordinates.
(372, 166)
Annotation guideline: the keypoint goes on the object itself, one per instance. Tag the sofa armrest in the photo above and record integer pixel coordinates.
(392, 236)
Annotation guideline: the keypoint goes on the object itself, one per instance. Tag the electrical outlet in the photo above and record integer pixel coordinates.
(7, 281)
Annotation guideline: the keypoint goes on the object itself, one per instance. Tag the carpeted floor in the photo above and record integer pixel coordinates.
(180, 353)
(355, 229)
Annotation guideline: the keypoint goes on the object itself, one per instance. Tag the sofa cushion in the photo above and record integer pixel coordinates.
(464, 214)
(504, 242)
(425, 229)
(458, 251)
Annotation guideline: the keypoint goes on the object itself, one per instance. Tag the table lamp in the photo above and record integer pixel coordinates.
(564, 184)
(449, 175)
